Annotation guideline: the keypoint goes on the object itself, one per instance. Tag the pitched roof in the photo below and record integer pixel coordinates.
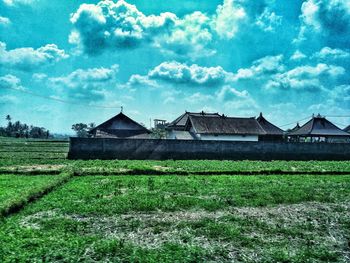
(347, 129)
(121, 124)
(296, 127)
(268, 127)
(225, 125)
(180, 122)
(319, 126)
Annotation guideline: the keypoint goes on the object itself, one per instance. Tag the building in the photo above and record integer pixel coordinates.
(273, 133)
(347, 129)
(319, 129)
(120, 126)
(176, 129)
(213, 126)
(295, 128)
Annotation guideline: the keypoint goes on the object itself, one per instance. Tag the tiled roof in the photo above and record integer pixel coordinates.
(180, 122)
(121, 124)
(319, 126)
(347, 129)
(225, 125)
(268, 127)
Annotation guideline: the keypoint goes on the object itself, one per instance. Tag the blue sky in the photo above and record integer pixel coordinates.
(156, 58)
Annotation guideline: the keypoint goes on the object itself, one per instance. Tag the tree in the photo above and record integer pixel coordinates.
(22, 130)
(81, 129)
(158, 133)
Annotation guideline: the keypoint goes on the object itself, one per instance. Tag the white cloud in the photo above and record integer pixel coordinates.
(190, 36)
(88, 84)
(228, 17)
(326, 17)
(84, 76)
(108, 26)
(329, 53)
(5, 99)
(176, 72)
(4, 21)
(234, 99)
(268, 21)
(340, 95)
(10, 82)
(39, 76)
(139, 80)
(18, 2)
(261, 67)
(28, 59)
(304, 77)
(298, 55)
(198, 98)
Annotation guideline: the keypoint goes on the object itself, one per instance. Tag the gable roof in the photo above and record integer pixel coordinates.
(268, 127)
(121, 123)
(225, 125)
(319, 126)
(180, 122)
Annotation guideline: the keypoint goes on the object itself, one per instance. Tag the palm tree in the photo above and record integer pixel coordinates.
(8, 118)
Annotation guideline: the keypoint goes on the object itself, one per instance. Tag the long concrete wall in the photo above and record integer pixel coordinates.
(107, 148)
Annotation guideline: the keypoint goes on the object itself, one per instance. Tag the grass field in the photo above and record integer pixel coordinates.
(57, 210)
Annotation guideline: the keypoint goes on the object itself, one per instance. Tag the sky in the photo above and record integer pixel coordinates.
(156, 58)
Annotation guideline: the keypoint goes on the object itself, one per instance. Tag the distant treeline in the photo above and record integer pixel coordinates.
(21, 130)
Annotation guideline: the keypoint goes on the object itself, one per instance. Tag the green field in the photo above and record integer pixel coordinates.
(57, 210)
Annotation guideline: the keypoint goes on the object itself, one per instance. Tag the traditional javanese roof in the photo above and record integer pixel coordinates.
(347, 129)
(268, 127)
(121, 126)
(224, 125)
(296, 127)
(319, 126)
(180, 122)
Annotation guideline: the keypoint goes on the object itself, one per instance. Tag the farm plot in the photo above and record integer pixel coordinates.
(208, 167)
(30, 152)
(185, 219)
(16, 191)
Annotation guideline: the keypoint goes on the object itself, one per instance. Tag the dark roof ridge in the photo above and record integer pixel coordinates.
(120, 114)
(319, 126)
(262, 118)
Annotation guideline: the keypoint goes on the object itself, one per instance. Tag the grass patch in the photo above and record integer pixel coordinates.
(187, 219)
(16, 191)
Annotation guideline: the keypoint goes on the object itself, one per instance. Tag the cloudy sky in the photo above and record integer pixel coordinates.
(156, 58)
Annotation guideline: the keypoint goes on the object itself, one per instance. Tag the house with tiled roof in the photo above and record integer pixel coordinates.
(120, 126)
(213, 126)
(273, 133)
(319, 129)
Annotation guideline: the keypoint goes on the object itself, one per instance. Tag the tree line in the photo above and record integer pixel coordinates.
(22, 130)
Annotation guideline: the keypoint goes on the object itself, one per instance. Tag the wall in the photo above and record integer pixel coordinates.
(110, 148)
(247, 138)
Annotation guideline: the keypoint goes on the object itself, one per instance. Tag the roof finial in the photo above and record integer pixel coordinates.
(121, 109)
(260, 114)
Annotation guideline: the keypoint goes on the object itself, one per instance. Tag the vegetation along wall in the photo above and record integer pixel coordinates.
(107, 148)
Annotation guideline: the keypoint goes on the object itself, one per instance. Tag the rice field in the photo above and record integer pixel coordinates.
(57, 210)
